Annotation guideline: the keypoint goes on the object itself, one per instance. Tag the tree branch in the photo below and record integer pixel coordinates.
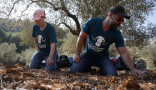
(71, 29)
(13, 7)
(27, 7)
(54, 7)
(63, 8)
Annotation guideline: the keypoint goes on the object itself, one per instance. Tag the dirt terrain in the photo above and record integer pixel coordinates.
(21, 77)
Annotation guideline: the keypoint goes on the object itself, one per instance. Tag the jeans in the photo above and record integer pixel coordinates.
(36, 62)
(86, 61)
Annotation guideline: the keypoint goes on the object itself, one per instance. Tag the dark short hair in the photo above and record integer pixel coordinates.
(119, 10)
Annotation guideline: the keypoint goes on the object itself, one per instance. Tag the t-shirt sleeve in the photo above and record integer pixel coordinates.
(119, 40)
(86, 27)
(53, 38)
(33, 32)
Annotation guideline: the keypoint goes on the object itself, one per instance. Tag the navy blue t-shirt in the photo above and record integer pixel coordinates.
(44, 38)
(98, 41)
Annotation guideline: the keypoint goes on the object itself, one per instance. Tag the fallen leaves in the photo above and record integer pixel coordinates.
(21, 77)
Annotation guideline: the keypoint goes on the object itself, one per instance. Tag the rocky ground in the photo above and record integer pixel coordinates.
(21, 77)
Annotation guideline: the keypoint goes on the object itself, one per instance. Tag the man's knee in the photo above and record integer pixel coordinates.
(79, 67)
(107, 67)
(33, 66)
(52, 67)
(73, 69)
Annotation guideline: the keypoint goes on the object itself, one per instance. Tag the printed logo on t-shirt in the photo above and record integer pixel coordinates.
(99, 41)
(41, 41)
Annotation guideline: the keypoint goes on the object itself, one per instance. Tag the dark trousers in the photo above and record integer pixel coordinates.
(86, 61)
(36, 62)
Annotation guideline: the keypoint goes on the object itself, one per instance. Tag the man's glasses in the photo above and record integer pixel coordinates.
(120, 19)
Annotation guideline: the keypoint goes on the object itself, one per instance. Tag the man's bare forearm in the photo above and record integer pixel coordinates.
(79, 46)
(52, 50)
(127, 60)
(36, 45)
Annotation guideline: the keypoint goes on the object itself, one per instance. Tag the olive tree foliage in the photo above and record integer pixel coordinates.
(61, 34)
(62, 15)
(26, 55)
(8, 53)
(26, 33)
(151, 30)
(69, 45)
(135, 53)
(3, 36)
(149, 53)
(72, 14)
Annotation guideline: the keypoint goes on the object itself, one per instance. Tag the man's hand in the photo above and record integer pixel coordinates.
(76, 58)
(138, 73)
(49, 61)
(80, 42)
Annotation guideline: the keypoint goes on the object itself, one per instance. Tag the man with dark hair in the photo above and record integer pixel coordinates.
(100, 34)
(45, 42)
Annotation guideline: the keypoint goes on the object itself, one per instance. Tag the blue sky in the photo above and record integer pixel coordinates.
(152, 17)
